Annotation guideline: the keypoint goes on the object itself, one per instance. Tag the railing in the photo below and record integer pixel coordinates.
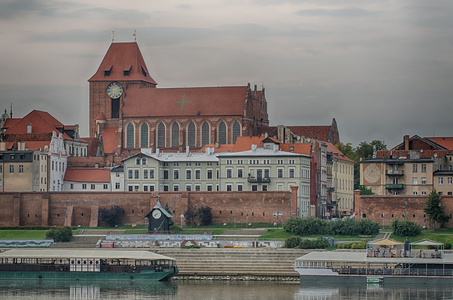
(394, 186)
(394, 172)
(259, 179)
(394, 271)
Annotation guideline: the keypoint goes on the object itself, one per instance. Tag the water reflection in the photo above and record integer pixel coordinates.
(189, 290)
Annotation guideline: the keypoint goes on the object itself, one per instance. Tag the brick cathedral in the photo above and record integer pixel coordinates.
(128, 111)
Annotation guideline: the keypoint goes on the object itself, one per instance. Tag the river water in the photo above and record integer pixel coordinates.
(35, 290)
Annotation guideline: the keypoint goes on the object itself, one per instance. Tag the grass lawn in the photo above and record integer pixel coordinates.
(442, 235)
(23, 234)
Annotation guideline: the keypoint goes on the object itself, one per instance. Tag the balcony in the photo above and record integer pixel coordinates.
(394, 186)
(259, 179)
(394, 172)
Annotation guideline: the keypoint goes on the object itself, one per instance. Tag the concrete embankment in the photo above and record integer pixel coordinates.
(235, 263)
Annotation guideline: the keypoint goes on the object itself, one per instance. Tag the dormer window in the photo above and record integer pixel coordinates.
(144, 72)
(107, 71)
(127, 70)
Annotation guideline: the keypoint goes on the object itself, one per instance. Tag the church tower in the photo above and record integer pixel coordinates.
(122, 66)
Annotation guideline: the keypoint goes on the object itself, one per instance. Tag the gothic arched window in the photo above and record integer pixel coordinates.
(130, 136)
(236, 131)
(204, 134)
(175, 135)
(222, 133)
(191, 135)
(144, 136)
(161, 135)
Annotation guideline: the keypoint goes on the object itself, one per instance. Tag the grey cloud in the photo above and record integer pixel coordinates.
(345, 12)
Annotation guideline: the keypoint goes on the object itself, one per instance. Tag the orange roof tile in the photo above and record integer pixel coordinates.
(109, 139)
(446, 142)
(337, 153)
(244, 143)
(315, 132)
(100, 116)
(87, 175)
(139, 102)
(121, 57)
(300, 148)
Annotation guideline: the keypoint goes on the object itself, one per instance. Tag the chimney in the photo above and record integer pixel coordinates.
(187, 150)
(275, 147)
(29, 128)
(406, 143)
(253, 147)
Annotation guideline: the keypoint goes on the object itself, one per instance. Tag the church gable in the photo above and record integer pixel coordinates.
(123, 62)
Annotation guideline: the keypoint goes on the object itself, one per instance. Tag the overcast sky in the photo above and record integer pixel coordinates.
(382, 68)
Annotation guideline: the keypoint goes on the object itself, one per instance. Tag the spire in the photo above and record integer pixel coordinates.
(10, 111)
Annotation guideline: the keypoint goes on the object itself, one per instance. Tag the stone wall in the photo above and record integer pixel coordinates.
(383, 209)
(71, 208)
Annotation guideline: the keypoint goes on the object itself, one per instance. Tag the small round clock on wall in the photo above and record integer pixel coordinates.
(156, 214)
(114, 90)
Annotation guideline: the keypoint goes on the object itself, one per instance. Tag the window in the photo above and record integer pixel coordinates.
(291, 173)
(71, 186)
(415, 168)
(129, 174)
(209, 174)
(205, 134)
(144, 161)
(222, 133)
(151, 173)
(130, 188)
(424, 168)
(117, 186)
(11, 168)
(423, 193)
(198, 188)
(21, 168)
(414, 180)
(130, 136)
(423, 181)
(240, 187)
(254, 188)
(264, 188)
(450, 180)
(136, 174)
(84, 186)
(151, 188)
(441, 180)
(105, 186)
(166, 174)
(188, 188)
(176, 188)
(161, 135)
(137, 161)
(145, 174)
(191, 134)
(145, 188)
(197, 174)
(240, 171)
(229, 173)
(229, 188)
(415, 193)
(93, 186)
(266, 173)
(1, 169)
(188, 174)
(175, 174)
(236, 131)
(209, 188)
(280, 173)
(175, 135)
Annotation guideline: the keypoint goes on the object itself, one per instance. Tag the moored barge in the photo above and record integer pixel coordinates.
(98, 264)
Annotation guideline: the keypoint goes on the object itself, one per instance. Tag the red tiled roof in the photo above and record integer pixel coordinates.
(446, 142)
(41, 121)
(87, 175)
(109, 139)
(337, 153)
(315, 132)
(100, 116)
(11, 122)
(140, 102)
(120, 57)
(244, 143)
(300, 148)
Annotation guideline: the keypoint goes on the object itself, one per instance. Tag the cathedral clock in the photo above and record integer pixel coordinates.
(114, 90)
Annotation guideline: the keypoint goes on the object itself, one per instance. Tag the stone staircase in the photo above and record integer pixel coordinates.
(235, 263)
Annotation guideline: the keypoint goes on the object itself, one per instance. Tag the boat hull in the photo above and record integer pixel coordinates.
(385, 280)
(150, 275)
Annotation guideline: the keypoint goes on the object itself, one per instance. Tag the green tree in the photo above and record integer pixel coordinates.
(191, 214)
(61, 234)
(348, 150)
(365, 191)
(111, 216)
(205, 215)
(435, 210)
(167, 209)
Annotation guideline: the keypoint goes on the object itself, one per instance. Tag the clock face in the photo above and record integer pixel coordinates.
(372, 173)
(114, 90)
(156, 214)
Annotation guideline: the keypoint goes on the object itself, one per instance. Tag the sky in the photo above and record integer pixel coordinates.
(382, 69)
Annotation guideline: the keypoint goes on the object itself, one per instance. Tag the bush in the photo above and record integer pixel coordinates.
(61, 234)
(318, 243)
(352, 245)
(312, 226)
(447, 246)
(175, 228)
(405, 228)
(292, 242)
